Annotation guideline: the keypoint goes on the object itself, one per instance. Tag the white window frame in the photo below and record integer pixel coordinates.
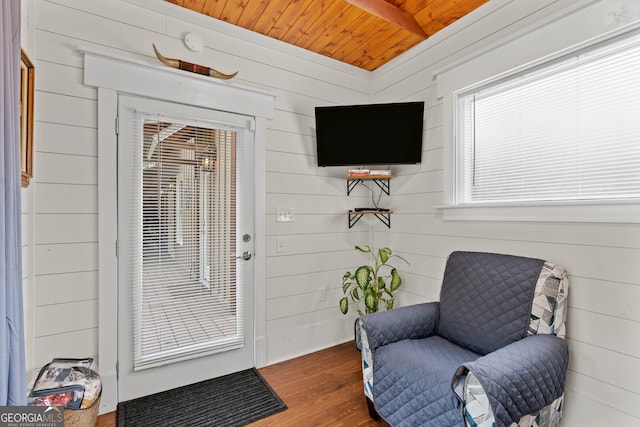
(610, 211)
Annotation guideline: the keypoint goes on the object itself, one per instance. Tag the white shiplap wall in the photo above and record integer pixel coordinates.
(602, 258)
(317, 246)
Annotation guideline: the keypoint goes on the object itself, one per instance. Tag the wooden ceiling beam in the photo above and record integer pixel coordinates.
(391, 14)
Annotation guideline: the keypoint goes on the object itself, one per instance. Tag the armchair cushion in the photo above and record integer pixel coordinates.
(413, 381)
(485, 301)
(521, 378)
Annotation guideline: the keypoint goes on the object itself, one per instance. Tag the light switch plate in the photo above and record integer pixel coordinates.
(285, 214)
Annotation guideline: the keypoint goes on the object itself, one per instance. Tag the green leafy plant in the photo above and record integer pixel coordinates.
(371, 285)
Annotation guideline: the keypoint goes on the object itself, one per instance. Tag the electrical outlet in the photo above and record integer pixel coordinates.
(322, 294)
(285, 214)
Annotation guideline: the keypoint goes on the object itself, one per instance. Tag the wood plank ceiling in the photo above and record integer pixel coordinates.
(363, 33)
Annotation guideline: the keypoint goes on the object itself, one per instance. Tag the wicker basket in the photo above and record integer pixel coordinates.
(82, 417)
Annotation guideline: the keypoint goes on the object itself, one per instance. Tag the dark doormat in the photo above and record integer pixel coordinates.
(232, 400)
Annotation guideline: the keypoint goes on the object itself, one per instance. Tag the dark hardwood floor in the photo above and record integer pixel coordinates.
(320, 389)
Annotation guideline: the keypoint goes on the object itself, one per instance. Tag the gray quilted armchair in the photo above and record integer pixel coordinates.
(491, 352)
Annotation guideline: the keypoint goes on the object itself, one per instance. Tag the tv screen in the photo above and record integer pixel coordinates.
(372, 134)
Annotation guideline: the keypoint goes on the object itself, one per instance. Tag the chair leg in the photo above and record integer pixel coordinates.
(372, 410)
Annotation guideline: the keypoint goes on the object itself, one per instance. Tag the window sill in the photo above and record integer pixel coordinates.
(613, 211)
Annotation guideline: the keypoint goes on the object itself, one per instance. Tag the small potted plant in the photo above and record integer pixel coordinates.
(372, 285)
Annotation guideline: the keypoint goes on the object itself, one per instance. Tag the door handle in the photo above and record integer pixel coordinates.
(246, 255)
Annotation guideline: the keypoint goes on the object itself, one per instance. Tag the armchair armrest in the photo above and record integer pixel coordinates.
(414, 321)
(520, 378)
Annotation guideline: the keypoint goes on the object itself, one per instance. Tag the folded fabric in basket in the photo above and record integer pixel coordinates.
(66, 382)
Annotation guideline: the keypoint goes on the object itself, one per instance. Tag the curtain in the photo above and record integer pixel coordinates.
(12, 357)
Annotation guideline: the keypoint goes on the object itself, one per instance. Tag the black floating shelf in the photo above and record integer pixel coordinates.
(383, 216)
(383, 182)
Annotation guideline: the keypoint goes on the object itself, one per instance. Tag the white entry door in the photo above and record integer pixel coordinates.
(185, 244)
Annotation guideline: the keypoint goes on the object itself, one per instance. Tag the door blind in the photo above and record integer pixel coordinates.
(183, 269)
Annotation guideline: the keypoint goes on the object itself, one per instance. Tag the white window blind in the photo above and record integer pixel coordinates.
(568, 130)
(184, 271)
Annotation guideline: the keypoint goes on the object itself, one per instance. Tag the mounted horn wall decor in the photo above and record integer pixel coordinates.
(193, 68)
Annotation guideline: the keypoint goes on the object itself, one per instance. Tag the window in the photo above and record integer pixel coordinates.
(563, 131)
(183, 245)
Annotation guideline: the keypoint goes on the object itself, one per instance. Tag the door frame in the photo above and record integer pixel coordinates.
(232, 353)
(113, 75)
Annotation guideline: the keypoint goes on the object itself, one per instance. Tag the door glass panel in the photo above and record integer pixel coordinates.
(186, 287)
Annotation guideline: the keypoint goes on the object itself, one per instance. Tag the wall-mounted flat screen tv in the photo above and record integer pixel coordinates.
(371, 134)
